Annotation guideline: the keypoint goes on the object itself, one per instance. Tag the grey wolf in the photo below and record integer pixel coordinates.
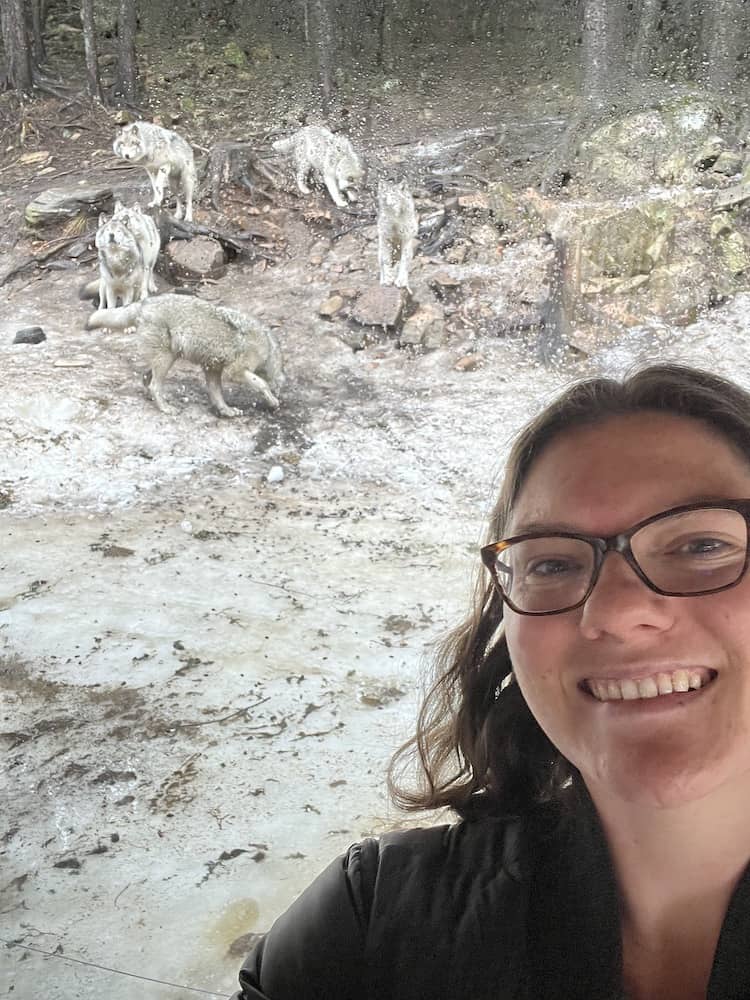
(331, 157)
(221, 341)
(128, 245)
(397, 231)
(167, 158)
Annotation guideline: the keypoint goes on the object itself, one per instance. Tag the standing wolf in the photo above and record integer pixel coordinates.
(168, 160)
(398, 225)
(331, 156)
(222, 341)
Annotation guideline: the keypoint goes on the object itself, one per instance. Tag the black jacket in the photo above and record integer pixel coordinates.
(482, 910)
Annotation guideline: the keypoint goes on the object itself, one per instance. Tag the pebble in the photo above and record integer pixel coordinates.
(30, 335)
(275, 474)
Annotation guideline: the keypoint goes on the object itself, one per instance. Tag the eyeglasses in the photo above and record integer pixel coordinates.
(683, 552)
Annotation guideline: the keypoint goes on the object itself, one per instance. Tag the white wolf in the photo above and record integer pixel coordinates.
(128, 246)
(168, 160)
(398, 225)
(220, 340)
(314, 148)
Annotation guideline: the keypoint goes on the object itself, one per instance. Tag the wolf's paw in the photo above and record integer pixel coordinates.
(230, 411)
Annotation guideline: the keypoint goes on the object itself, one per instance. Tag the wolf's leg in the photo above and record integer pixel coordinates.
(301, 176)
(159, 180)
(261, 386)
(402, 276)
(215, 394)
(333, 189)
(188, 183)
(161, 362)
(384, 256)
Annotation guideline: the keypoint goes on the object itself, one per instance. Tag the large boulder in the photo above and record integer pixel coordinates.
(626, 242)
(670, 144)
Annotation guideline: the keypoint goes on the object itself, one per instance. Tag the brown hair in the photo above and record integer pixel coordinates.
(478, 748)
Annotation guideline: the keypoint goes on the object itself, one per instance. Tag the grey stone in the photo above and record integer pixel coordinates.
(57, 204)
(331, 306)
(198, 258)
(380, 305)
(30, 335)
(426, 323)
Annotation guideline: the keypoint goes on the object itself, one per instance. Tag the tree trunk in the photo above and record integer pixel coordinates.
(38, 17)
(324, 48)
(722, 33)
(126, 75)
(93, 85)
(384, 51)
(603, 49)
(647, 39)
(16, 45)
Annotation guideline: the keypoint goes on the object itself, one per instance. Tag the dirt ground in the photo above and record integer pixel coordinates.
(204, 673)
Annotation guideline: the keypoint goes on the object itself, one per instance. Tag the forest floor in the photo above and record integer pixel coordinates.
(203, 673)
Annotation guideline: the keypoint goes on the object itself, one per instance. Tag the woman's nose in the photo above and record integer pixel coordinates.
(622, 603)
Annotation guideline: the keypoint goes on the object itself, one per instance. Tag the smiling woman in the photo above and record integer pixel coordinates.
(590, 724)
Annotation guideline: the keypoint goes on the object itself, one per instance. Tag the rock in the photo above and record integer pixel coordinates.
(738, 194)
(629, 241)
(427, 321)
(475, 203)
(380, 305)
(56, 204)
(728, 163)
(30, 335)
(234, 56)
(331, 306)
(275, 474)
(469, 362)
(709, 153)
(734, 253)
(661, 143)
(678, 291)
(191, 260)
(504, 204)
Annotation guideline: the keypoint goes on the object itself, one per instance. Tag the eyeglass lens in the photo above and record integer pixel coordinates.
(685, 553)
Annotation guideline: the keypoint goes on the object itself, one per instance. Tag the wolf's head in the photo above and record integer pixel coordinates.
(129, 144)
(349, 173)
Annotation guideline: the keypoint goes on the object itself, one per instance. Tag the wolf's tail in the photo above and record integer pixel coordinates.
(90, 290)
(115, 319)
(283, 145)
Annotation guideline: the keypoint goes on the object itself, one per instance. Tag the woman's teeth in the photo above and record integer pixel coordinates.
(649, 687)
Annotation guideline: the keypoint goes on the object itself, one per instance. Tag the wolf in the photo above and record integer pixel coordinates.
(128, 246)
(314, 148)
(221, 341)
(167, 157)
(121, 271)
(398, 225)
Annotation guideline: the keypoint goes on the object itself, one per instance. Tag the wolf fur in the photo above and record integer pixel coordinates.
(332, 157)
(167, 158)
(222, 341)
(398, 225)
(128, 246)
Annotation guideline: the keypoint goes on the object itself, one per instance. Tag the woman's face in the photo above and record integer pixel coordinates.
(663, 750)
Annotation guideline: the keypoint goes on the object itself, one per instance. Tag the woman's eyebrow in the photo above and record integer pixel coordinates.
(526, 527)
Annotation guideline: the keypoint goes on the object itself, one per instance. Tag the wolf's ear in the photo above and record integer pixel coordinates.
(103, 220)
(118, 206)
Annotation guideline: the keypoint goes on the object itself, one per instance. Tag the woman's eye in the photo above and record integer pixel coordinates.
(551, 567)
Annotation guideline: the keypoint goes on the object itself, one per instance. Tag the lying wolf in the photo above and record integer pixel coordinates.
(168, 160)
(331, 156)
(222, 341)
(398, 225)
